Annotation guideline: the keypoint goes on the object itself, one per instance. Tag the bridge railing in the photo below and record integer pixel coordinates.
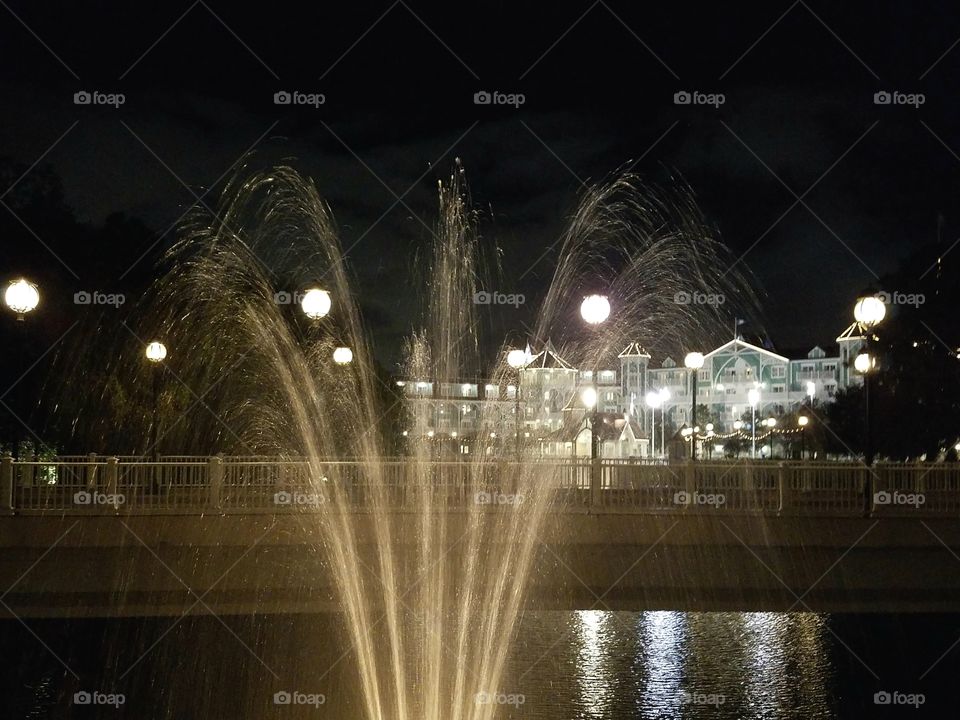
(97, 484)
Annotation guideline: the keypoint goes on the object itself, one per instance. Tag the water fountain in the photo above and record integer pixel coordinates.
(430, 576)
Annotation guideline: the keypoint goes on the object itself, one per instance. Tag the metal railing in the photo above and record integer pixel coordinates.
(107, 485)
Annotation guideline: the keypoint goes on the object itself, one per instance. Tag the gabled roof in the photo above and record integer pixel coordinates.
(634, 349)
(733, 344)
(548, 359)
(854, 332)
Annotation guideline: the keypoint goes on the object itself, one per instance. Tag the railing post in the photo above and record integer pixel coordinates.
(596, 483)
(783, 481)
(91, 471)
(690, 483)
(6, 483)
(214, 480)
(111, 479)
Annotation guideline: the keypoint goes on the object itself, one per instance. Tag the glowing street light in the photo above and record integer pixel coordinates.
(343, 356)
(156, 352)
(863, 363)
(589, 397)
(595, 309)
(693, 361)
(316, 303)
(869, 311)
(21, 296)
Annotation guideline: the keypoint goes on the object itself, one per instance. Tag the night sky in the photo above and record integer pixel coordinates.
(820, 190)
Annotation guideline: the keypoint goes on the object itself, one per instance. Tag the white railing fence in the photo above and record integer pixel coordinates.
(107, 485)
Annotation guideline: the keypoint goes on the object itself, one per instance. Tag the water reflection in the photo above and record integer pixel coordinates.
(697, 665)
(662, 657)
(593, 632)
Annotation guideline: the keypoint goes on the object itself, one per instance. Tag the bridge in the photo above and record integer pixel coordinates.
(108, 536)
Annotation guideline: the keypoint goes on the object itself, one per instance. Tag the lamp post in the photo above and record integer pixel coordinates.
(693, 361)
(868, 312)
(802, 422)
(753, 397)
(156, 353)
(343, 356)
(771, 423)
(664, 397)
(595, 309)
(654, 400)
(22, 297)
(518, 359)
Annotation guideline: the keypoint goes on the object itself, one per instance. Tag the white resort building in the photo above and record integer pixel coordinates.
(555, 422)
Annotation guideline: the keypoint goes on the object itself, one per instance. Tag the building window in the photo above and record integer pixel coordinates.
(777, 371)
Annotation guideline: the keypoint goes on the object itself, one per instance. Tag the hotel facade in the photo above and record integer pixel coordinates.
(554, 422)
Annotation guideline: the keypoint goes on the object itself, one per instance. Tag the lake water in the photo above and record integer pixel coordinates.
(565, 665)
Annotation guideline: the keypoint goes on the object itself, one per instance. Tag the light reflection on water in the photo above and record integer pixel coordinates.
(593, 665)
(587, 665)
